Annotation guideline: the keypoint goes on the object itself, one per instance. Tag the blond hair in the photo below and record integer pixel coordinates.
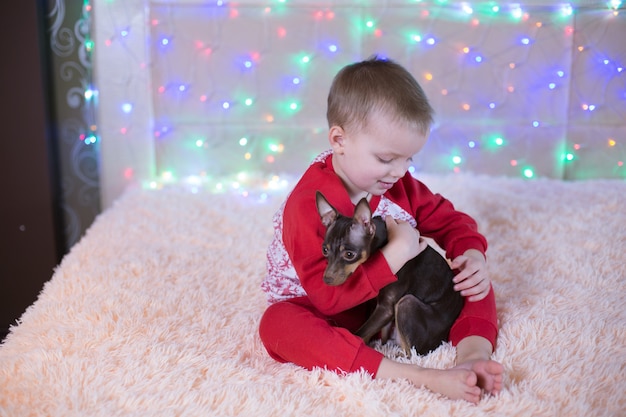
(377, 85)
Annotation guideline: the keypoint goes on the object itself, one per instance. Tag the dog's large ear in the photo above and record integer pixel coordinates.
(327, 213)
(363, 213)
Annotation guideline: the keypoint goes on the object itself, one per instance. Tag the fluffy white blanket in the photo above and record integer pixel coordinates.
(155, 313)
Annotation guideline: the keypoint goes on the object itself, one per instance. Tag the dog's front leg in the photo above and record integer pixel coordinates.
(382, 315)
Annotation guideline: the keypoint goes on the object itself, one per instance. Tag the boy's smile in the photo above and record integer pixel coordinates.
(386, 185)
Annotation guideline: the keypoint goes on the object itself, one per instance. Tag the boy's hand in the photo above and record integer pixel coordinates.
(472, 280)
(403, 243)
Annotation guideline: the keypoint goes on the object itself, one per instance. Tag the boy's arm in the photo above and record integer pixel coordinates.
(303, 235)
(454, 231)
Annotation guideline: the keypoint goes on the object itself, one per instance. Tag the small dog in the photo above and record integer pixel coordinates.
(422, 300)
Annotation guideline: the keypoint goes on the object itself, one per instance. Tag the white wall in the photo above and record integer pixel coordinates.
(550, 84)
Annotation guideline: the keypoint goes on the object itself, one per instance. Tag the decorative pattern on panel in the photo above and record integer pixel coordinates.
(232, 95)
(74, 103)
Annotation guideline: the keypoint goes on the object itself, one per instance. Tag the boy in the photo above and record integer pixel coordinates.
(379, 117)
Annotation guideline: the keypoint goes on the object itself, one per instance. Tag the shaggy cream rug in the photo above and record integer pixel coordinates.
(155, 312)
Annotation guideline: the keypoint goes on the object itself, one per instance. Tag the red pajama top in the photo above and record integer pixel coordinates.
(295, 264)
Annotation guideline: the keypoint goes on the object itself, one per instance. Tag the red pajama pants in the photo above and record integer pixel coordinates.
(294, 331)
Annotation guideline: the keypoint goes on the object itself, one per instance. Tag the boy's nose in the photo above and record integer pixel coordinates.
(399, 169)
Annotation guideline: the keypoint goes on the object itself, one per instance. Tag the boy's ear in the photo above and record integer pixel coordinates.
(335, 138)
(327, 213)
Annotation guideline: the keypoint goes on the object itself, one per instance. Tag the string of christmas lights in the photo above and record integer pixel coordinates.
(231, 96)
(90, 136)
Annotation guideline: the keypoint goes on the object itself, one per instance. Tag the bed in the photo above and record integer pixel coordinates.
(155, 312)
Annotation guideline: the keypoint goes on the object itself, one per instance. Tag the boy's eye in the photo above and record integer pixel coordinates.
(390, 160)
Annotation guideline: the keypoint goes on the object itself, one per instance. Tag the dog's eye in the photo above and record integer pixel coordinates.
(325, 251)
(349, 255)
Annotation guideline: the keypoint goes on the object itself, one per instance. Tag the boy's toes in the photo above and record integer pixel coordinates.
(472, 380)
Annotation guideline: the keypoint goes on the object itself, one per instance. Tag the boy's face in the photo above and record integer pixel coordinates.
(371, 159)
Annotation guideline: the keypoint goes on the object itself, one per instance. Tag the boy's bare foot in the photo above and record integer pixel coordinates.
(456, 383)
(488, 372)
(452, 383)
(473, 354)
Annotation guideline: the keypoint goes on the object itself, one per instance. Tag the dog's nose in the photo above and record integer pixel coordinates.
(333, 280)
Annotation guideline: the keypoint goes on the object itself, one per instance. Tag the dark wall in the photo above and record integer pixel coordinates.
(48, 175)
(31, 239)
